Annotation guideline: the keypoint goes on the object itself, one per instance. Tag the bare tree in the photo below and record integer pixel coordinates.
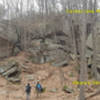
(83, 67)
(2, 11)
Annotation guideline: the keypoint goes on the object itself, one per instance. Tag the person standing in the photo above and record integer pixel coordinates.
(39, 89)
(28, 91)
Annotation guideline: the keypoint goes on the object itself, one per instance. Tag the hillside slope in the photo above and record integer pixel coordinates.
(52, 78)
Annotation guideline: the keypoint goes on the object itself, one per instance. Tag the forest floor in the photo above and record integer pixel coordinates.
(50, 77)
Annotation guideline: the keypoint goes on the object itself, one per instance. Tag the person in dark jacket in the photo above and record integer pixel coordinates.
(39, 88)
(28, 91)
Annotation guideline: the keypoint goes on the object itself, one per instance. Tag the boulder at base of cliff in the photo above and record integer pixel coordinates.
(11, 71)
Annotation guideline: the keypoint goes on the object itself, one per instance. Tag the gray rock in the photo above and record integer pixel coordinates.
(52, 46)
(89, 53)
(11, 71)
(3, 92)
(89, 42)
(38, 59)
(18, 97)
(68, 90)
(16, 51)
(60, 63)
(14, 79)
(8, 32)
(98, 43)
(30, 77)
(72, 56)
(49, 49)
(54, 90)
(8, 72)
(89, 49)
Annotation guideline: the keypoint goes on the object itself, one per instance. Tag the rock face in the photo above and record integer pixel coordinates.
(7, 32)
(16, 51)
(52, 49)
(4, 50)
(90, 50)
(10, 71)
(8, 40)
(89, 42)
(98, 56)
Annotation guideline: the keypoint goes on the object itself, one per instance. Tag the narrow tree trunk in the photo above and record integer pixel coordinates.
(83, 67)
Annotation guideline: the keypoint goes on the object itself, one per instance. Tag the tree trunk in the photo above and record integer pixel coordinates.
(83, 67)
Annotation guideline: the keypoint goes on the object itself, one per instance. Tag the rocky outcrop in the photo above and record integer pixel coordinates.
(8, 40)
(11, 71)
(52, 49)
(89, 42)
(89, 51)
(7, 32)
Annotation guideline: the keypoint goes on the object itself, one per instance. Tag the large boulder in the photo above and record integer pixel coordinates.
(89, 42)
(16, 51)
(50, 49)
(11, 71)
(89, 50)
(98, 43)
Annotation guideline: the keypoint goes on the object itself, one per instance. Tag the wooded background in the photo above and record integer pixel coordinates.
(23, 23)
